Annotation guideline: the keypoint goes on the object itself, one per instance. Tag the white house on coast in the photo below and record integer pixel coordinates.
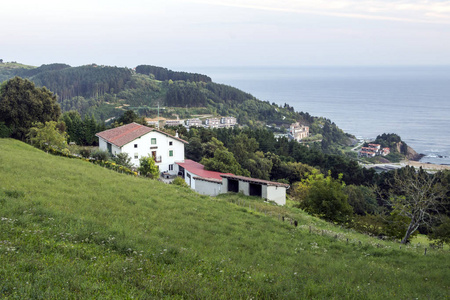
(138, 140)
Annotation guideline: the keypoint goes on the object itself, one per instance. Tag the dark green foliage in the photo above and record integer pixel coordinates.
(128, 117)
(5, 131)
(441, 232)
(82, 132)
(185, 94)
(165, 74)
(194, 149)
(362, 199)
(22, 104)
(85, 81)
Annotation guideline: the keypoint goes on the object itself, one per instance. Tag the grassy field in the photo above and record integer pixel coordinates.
(71, 229)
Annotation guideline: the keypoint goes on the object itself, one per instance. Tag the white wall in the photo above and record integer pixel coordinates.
(208, 187)
(276, 194)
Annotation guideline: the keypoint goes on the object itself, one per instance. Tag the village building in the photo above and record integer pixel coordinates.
(173, 122)
(373, 150)
(227, 122)
(153, 123)
(298, 132)
(194, 122)
(138, 140)
(212, 122)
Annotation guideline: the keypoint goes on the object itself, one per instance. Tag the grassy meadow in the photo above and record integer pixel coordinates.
(71, 229)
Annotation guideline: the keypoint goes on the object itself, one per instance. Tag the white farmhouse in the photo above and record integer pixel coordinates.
(138, 140)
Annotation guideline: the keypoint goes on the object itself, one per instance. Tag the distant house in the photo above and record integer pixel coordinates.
(174, 122)
(212, 122)
(193, 123)
(227, 122)
(298, 132)
(138, 140)
(373, 150)
(152, 123)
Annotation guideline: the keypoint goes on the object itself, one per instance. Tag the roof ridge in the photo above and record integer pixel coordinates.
(128, 131)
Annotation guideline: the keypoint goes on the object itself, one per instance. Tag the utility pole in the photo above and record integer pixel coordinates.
(158, 115)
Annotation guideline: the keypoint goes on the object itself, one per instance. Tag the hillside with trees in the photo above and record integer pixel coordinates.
(106, 92)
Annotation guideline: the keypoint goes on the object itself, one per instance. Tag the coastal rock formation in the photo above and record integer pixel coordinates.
(411, 154)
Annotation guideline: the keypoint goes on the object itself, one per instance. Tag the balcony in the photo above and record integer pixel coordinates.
(157, 159)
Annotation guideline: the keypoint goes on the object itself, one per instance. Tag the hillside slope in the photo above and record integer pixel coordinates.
(70, 229)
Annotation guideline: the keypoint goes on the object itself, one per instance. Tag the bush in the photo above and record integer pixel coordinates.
(100, 155)
(148, 168)
(180, 181)
(84, 152)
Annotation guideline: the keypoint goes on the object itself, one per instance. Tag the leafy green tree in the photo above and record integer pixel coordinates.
(223, 161)
(46, 136)
(324, 197)
(22, 104)
(148, 167)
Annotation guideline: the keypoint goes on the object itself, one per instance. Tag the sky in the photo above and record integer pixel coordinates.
(185, 33)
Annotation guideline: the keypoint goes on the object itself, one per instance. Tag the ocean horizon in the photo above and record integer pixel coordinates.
(411, 101)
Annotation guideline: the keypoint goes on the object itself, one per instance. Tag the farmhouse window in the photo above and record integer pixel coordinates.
(170, 152)
(136, 156)
(153, 141)
(135, 145)
(170, 143)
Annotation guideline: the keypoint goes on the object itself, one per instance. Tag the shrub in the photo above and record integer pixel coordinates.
(180, 181)
(100, 155)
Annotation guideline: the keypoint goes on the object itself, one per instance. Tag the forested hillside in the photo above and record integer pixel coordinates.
(106, 92)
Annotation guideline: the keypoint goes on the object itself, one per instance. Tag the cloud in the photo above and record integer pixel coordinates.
(419, 11)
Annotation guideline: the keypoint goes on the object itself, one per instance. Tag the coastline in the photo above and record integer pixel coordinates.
(425, 166)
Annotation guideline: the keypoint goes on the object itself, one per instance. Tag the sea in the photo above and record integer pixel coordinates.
(411, 101)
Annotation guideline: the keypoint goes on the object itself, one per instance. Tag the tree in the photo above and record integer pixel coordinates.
(22, 104)
(46, 136)
(194, 149)
(223, 161)
(418, 196)
(148, 168)
(323, 196)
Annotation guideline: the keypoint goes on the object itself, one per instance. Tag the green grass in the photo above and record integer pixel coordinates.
(71, 229)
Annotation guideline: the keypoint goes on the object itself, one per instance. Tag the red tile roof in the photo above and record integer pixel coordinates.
(255, 180)
(127, 133)
(199, 169)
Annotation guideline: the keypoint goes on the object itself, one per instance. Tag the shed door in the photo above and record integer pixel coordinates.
(233, 185)
(255, 190)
